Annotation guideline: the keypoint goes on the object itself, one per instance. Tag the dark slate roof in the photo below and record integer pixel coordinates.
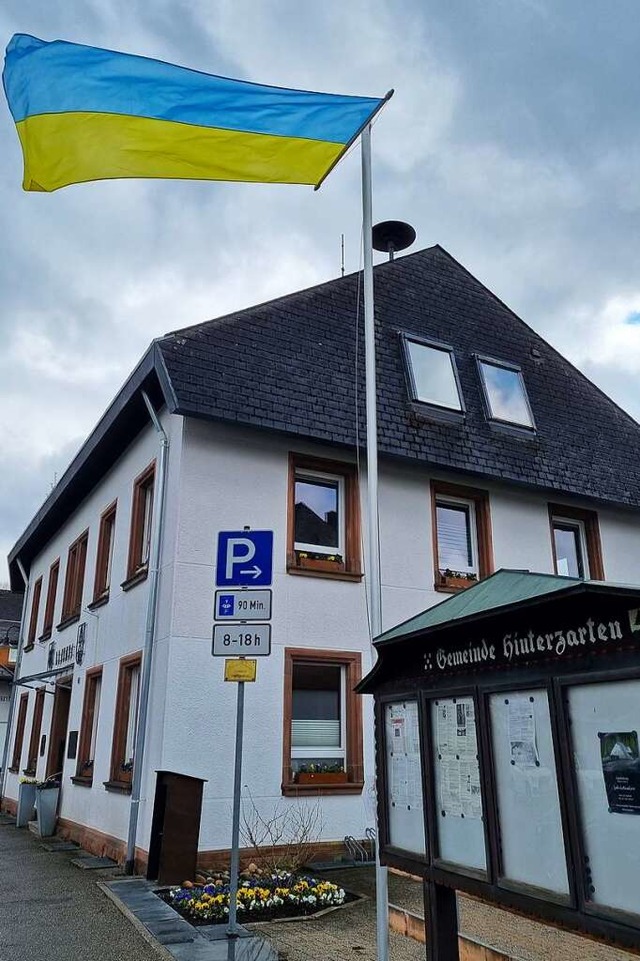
(289, 365)
(10, 606)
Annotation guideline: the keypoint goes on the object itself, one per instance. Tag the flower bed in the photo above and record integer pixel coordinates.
(259, 899)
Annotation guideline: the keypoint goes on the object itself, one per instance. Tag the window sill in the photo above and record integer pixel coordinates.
(28, 647)
(46, 635)
(67, 621)
(82, 781)
(29, 772)
(136, 578)
(118, 787)
(293, 789)
(339, 574)
(13, 769)
(98, 601)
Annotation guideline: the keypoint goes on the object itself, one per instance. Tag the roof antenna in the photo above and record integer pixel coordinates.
(342, 253)
(392, 235)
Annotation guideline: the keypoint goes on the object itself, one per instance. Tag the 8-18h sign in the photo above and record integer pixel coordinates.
(240, 640)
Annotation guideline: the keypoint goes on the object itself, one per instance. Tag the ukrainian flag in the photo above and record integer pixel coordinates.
(83, 114)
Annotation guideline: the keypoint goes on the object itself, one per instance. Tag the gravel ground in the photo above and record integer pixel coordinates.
(350, 932)
(52, 911)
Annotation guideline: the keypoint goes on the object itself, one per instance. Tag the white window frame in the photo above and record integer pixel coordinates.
(446, 500)
(576, 524)
(302, 474)
(407, 340)
(93, 739)
(112, 539)
(132, 718)
(504, 365)
(327, 753)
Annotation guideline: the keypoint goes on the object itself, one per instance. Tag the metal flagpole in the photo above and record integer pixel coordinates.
(374, 593)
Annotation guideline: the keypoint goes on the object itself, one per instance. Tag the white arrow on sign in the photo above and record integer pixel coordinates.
(255, 571)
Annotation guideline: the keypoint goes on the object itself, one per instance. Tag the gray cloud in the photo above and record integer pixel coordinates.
(511, 140)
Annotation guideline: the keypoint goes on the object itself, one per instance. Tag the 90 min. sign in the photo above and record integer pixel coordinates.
(230, 640)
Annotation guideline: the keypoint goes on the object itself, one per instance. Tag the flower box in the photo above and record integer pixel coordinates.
(321, 777)
(455, 582)
(318, 563)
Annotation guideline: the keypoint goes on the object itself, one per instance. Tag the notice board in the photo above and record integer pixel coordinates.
(404, 777)
(457, 782)
(605, 721)
(527, 791)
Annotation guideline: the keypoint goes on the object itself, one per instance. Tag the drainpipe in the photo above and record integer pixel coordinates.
(150, 630)
(16, 675)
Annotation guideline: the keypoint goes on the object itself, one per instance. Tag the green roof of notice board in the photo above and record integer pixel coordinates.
(502, 589)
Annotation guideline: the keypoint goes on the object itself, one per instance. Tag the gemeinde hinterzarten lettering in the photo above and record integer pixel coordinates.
(515, 647)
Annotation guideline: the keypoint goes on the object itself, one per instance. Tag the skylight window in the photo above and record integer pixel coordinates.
(433, 377)
(505, 393)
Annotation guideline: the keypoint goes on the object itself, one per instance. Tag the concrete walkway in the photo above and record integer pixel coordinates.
(52, 911)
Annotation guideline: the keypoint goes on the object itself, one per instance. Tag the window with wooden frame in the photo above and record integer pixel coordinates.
(74, 580)
(35, 609)
(19, 736)
(104, 555)
(322, 738)
(323, 518)
(36, 728)
(89, 726)
(125, 723)
(141, 522)
(575, 542)
(49, 609)
(462, 543)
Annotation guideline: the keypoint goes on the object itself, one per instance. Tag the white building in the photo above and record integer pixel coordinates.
(495, 452)
(10, 613)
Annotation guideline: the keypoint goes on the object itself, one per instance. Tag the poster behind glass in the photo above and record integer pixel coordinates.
(457, 782)
(527, 791)
(404, 777)
(605, 720)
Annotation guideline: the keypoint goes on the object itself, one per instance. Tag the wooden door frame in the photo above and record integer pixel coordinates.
(59, 721)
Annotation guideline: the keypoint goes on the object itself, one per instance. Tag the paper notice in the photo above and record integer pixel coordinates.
(457, 751)
(403, 755)
(522, 732)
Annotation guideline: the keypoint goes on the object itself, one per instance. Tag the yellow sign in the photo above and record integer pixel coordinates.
(240, 670)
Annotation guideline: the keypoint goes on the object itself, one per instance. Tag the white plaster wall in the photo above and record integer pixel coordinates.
(235, 477)
(113, 630)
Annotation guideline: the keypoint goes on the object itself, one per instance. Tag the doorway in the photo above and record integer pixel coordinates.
(59, 723)
(175, 829)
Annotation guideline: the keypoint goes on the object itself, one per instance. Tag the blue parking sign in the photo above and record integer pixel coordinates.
(245, 559)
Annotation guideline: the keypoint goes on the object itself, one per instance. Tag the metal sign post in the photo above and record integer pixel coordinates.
(244, 559)
(233, 931)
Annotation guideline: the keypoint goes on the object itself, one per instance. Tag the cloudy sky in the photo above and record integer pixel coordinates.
(513, 140)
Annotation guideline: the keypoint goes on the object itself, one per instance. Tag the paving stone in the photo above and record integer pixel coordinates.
(60, 846)
(90, 863)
